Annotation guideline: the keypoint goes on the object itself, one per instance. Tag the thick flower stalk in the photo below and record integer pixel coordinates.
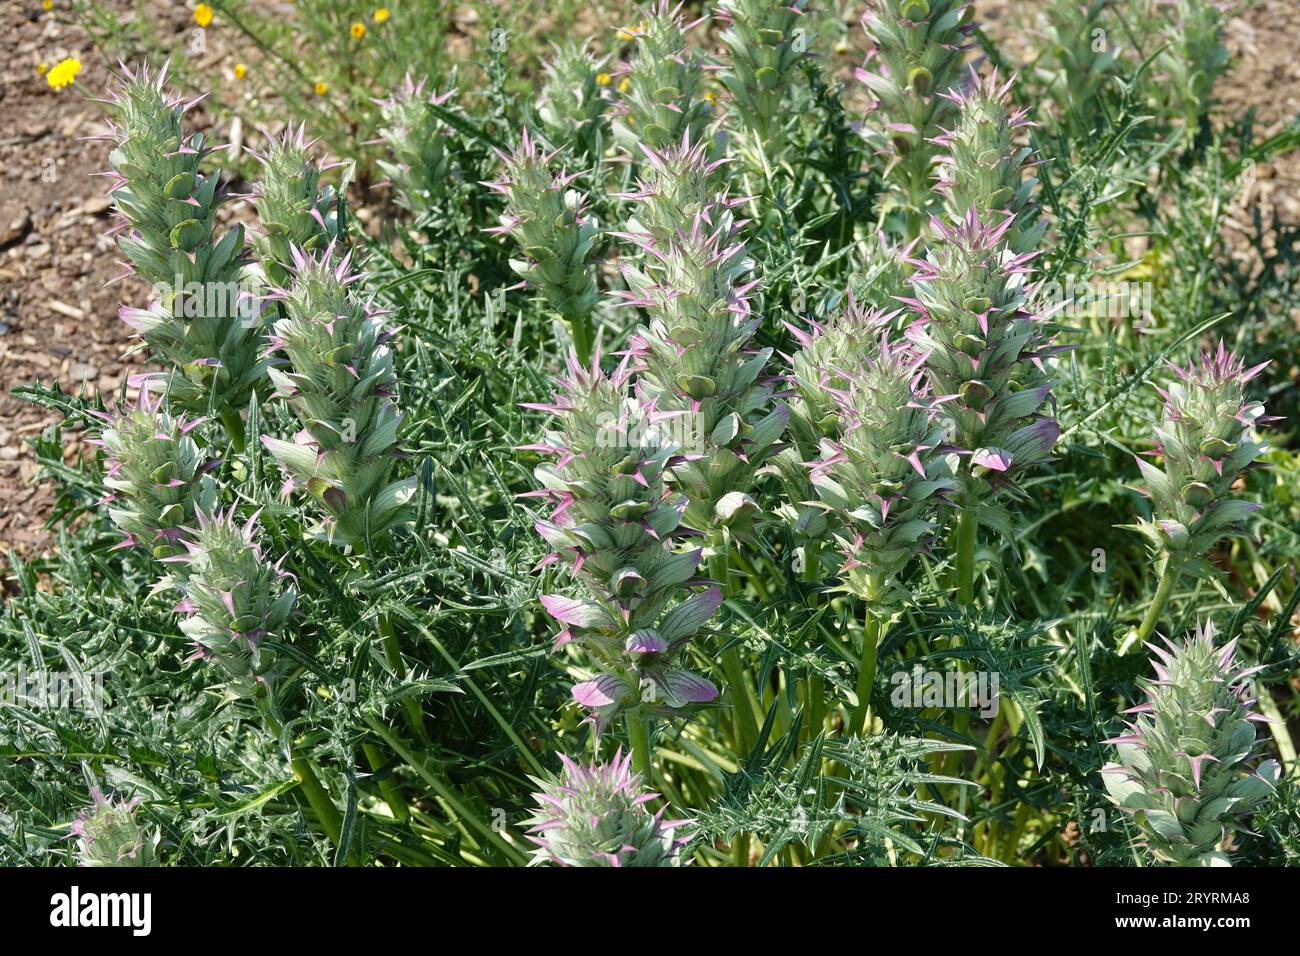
(660, 100)
(614, 526)
(696, 368)
(984, 167)
(674, 186)
(598, 815)
(108, 834)
(1189, 35)
(1184, 770)
(156, 474)
(202, 321)
(916, 50)
(985, 355)
(1206, 441)
(549, 222)
(293, 208)
(878, 475)
(571, 105)
(1081, 59)
(766, 41)
(850, 334)
(697, 372)
(234, 599)
(880, 467)
(422, 167)
(338, 378)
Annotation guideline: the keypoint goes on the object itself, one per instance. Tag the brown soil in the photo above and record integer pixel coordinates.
(58, 320)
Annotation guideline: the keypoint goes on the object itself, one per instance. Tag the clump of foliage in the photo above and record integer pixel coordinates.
(791, 493)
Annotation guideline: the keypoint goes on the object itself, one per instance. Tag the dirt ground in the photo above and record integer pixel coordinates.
(58, 319)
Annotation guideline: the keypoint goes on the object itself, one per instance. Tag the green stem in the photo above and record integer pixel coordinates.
(391, 792)
(317, 797)
(638, 735)
(742, 704)
(741, 708)
(420, 765)
(583, 335)
(965, 539)
(1168, 578)
(234, 426)
(816, 704)
(866, 671)
(740, 850)
(393, 651)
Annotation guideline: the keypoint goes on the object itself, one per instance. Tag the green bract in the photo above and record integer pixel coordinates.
(1185, 768)
(659, 100)
(203, 320)
(1207, 440)
(293, 209)
(235, 599)
(338, 379)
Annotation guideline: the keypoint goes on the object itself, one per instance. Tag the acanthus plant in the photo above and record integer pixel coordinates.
(1189, 54)
(1184, 769)
(158, 477)
(694, 362)
(660, 97)
(203, 321)
(293, 209)
(851, 332)
(110, 833)
(423, 168)
(915, 55)
(338, 379)
(985, 350)
(571, 105)
(234, 599)
(880, 471)
(598, 815)
(617, 528)
(1076, 72)
(766, 41)
(697, 371)
(1207, 441)
(551, 225)
(984, 166)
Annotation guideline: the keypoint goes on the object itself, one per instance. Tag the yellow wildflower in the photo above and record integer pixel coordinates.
(47, 4)
(381, 15)
(203, 14)
(623, 84)
(627, 33)
(358, 30)
(602, 79)
(241, 71)
(42, 68)
(322, 88)
(710, 96)
(842, 46)
(64, 73)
